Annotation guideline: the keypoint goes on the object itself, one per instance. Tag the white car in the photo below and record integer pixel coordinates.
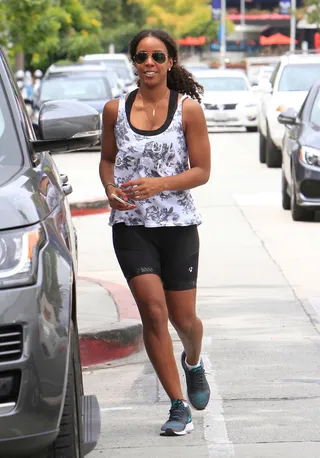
(288, 87)
(228, 99)
(120, 62)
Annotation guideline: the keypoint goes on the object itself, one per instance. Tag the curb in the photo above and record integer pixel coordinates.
(90, 206)
(120, 339)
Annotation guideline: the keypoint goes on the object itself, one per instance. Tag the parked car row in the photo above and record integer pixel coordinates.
(289, 127)
(95, 79)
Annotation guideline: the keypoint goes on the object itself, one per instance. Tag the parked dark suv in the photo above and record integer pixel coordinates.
(43, 411)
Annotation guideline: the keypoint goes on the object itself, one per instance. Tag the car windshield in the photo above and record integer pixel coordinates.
(118, 65)
(299, 77)
(11, 158)
(78, 88)
(225, 84)
(315, 112)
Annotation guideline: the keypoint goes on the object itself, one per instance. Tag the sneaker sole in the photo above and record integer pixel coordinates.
(170, 432)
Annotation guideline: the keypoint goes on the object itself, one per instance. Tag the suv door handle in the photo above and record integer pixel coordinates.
(67, 189)
(64, 178)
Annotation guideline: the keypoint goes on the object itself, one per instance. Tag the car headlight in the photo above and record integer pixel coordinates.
(310, 156)
(19, 253)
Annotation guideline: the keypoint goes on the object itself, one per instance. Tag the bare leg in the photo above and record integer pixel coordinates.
(148, 292)
(182, 313)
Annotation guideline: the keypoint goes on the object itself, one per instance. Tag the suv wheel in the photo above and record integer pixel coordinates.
(262, 148)
(299, 213)
(284, 192)
(273, 154)
(69, 442)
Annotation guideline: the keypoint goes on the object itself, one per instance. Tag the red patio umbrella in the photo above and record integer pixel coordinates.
(192, 41)
(276, 39)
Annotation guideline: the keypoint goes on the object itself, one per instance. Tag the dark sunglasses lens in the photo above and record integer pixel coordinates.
(159, 57)
(141, 57)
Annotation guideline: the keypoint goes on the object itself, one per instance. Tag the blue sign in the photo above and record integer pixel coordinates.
(216, 9)
(284, 6)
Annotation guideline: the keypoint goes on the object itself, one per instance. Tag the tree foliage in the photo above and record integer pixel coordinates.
(182, 17)
(312, 12)
(46, 30)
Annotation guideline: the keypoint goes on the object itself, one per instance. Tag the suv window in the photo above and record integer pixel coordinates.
(10, 149)
(274, 74)
(315, 112)
(298, 77)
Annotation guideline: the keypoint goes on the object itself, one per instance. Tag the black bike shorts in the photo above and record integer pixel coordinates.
(172, 253)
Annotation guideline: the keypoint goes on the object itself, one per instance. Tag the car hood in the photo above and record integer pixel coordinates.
(228, 97)
(310, 137)
(21, 203)
(289, 99)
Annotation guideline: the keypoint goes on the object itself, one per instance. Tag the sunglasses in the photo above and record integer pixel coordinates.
(158, 56)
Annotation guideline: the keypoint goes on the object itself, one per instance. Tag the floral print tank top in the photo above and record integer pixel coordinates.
(159, 153)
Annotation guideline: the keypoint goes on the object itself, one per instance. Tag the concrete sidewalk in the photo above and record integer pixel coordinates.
(108, 321)
(82, 168)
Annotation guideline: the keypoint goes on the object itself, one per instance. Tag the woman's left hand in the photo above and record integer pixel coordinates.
(142, 188)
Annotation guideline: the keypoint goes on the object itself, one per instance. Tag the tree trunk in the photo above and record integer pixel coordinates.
(19, 61)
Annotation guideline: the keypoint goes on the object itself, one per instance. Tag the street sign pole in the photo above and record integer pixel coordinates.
(242, 12)
(223, 34)
(293, 25)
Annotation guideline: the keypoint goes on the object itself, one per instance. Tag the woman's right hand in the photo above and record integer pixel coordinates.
(115, 204)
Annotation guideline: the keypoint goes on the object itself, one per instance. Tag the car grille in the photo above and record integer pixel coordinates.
(221, 106)
(10, 343)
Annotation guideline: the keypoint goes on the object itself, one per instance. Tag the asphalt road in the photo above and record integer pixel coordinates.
(259, 298)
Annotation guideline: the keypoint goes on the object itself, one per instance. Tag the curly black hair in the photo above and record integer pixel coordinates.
(178, 79)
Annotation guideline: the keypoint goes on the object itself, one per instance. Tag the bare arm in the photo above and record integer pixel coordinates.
(108, 155)
(198, 144)
(108, 142)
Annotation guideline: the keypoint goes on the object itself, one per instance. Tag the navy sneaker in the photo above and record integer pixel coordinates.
(180, 420)
(197, 386)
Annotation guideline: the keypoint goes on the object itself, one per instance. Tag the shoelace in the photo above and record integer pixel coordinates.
(197, 379)
(176, 412)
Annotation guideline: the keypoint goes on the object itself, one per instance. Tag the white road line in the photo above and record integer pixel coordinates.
(215, 429)
(107, 409)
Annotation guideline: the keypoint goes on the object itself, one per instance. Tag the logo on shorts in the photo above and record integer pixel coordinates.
(190, 269)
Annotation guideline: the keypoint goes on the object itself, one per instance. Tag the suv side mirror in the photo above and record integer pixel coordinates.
(288, 117)
(67, 125)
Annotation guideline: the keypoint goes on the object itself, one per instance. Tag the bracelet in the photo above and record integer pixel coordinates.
(110, 184)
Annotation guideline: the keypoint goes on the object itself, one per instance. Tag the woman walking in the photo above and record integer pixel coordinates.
(149, 139)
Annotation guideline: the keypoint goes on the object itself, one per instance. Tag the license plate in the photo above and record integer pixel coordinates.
(220, 117)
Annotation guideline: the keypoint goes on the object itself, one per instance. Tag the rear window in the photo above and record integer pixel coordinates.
(76, 88)
(299, 77)
(10, 149)
(224, 84)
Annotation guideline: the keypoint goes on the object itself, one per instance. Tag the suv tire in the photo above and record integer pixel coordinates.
(284, 193)
(273, 154)
(262, 148)
(69, 442)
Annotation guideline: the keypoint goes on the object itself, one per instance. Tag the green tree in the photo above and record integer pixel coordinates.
(120, 19)
(183, 17)
(312, 12)
(46, 30)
